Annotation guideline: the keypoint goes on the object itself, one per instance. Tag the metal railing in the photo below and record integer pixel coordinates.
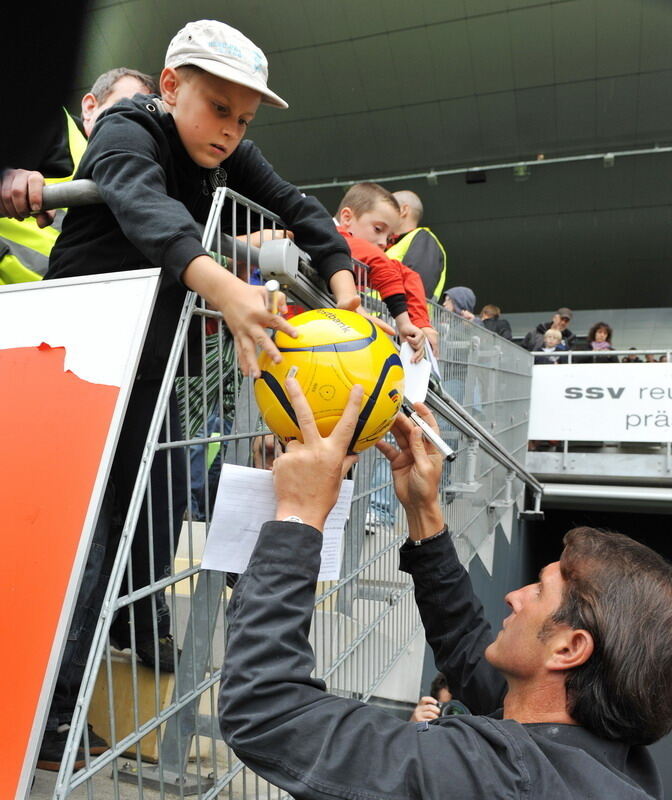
(162, 727)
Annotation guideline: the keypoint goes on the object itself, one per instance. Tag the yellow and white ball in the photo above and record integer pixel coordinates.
(334, 350)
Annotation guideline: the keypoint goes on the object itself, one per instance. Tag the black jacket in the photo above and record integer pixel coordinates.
(500, 326)
(154, 197)
(534, 339)
(282, 723)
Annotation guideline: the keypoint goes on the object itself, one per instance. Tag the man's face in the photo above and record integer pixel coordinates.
(518, 651)
(559, 323)
(211, 114)
(376, 226)
(92, 109)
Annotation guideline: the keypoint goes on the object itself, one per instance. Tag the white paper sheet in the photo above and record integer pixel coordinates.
(416, 376)
(245, 500)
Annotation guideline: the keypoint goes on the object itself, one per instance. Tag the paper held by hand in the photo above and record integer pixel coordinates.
(416, 376)
(245, 500)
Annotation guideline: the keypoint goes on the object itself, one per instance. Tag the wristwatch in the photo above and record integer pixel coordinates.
(293, 518)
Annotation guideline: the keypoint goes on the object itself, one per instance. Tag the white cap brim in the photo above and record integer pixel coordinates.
(232, 74)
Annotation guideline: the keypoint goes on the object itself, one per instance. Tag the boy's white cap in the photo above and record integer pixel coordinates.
(223, 51)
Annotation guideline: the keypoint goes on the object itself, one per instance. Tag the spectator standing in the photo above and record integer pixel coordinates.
(418, 247)
(461, 301)
(561, 319)
(599, 339)
(25, 244)
(492, 320)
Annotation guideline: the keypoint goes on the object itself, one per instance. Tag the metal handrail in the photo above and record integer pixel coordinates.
(301, 279)
(601, 353)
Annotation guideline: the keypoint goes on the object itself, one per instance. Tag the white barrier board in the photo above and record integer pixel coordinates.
(68, 355)
(602, 402)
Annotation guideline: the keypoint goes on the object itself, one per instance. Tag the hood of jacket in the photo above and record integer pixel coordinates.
(463, 298)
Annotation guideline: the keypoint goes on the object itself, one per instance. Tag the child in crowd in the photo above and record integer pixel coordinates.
(156, 162)
(553, 343)
(367, 215)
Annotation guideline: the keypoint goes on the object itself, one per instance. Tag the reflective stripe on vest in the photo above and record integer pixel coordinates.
(399, 250)
(29, 245)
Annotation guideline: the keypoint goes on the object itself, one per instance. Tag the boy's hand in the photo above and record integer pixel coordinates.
(243, 307)
(432, 337)
(354, 303)
(342, 286)
(257, 238)
(416, 471)
(408, 332)
(21, 195)
(308, 476)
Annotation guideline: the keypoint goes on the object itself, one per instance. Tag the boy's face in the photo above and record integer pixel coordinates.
(211, 114)
(376, 226)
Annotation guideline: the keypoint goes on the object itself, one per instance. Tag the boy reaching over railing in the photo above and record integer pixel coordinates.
(156, 162)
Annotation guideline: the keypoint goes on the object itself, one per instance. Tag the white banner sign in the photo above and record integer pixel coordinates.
(602, 402)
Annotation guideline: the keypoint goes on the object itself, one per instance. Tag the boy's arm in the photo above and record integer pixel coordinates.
(250, 174)
(244, 308)
(123, 159)
(415, 293)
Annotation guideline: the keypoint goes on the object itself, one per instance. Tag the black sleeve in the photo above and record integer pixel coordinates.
(124, 160)
(425, 257)
(529, 340)
(505, 329)
(314, 745)
(455, 626)
(314, 231)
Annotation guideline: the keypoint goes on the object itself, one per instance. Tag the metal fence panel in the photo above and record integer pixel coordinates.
(161, 725)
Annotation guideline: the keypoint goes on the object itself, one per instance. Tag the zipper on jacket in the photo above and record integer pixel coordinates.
(213, 179)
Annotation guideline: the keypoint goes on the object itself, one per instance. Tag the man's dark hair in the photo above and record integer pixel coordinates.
(600, 326)
(620, 592)
(362, 197)
(439, 682)
(104, 84)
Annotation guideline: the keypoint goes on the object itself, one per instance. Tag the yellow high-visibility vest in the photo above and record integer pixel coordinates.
(399, 250)
(25, 248)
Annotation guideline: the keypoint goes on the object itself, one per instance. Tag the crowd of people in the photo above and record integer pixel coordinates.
(572, 683)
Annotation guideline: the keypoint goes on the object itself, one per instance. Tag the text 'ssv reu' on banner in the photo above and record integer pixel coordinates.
(69, 351)
(602, 402)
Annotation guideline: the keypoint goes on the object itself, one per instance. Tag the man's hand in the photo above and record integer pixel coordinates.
(244, 308)
(21, 195)
(416, 471)
(308, 476)
(408, 332)
(426, 710)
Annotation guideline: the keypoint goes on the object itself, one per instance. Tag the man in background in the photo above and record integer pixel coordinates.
(417, 247)
(26, 241)
(534, 339)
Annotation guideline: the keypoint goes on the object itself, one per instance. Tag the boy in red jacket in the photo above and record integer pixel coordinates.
(366, 217)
